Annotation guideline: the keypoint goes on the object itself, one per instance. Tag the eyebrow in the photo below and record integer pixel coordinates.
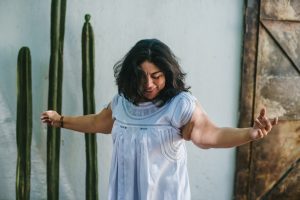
(155, 73)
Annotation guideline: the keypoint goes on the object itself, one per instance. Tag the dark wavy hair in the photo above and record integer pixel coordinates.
(130, 77)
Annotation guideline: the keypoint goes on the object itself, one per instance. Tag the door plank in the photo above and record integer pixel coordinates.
(247, 95)
(280, 10)
(274, 156)
(286, 36)
(275, 80)
(288, 187)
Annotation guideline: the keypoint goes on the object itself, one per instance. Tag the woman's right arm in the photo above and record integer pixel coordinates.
(101, 122)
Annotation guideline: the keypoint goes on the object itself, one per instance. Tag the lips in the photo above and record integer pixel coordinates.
(150, 94)
(149, 91)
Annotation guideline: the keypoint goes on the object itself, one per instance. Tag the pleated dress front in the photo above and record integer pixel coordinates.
(149, 155)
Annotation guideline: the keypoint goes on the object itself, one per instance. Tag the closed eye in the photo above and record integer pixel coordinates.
(157, 75)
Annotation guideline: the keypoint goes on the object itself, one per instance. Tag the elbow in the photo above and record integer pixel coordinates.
(204, 146)
(206, 138)
(199, 142)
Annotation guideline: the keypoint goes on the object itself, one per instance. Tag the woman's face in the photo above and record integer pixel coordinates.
(155, 80)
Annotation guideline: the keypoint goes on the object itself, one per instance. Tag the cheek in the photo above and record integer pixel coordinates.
(162, 84)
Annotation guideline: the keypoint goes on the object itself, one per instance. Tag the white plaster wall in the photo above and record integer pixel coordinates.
(206, 35)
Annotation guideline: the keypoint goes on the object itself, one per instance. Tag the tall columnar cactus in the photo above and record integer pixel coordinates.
(24, 124)
(58, 12)
(89, 108)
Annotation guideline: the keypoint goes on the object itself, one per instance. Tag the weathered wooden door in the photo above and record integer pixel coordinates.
(270, 168)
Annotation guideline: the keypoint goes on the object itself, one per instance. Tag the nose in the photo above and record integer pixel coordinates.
(149, 82)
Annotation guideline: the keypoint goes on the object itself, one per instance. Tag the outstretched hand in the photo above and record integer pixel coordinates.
(262, 125)
(51, 117)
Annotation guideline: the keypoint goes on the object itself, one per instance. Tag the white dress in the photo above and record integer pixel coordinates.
(149, 156)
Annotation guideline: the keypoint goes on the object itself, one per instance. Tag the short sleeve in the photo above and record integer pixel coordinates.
(184, 108)
(114, 104)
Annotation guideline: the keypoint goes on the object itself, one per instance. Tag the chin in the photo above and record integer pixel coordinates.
(150, 97)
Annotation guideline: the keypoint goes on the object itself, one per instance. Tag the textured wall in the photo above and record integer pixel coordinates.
(206, 36)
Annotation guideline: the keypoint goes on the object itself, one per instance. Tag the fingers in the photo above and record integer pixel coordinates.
(48, 117)
(262, 112)
(275, 121)
(260, 133)
(45, 117)
(265, 121)
(263, 124)
(258, 124)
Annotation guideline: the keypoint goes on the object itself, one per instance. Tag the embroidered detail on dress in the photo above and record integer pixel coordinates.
(141, 111)
(172, 146)
(123, 127)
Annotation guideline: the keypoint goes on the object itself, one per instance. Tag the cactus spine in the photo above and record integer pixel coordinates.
(89, 108)
(24, 124)
(58, 12)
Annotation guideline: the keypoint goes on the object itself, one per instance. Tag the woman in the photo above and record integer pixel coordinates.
(149, 119)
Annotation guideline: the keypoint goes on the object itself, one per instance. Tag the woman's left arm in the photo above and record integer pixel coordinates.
(205, 134)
